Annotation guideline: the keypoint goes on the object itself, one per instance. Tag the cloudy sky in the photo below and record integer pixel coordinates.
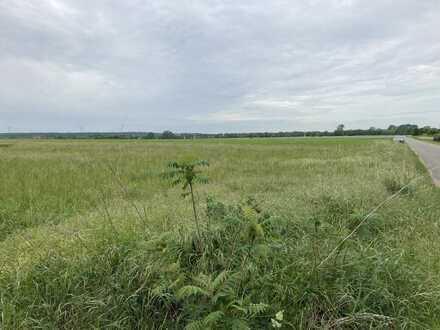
(218, 65)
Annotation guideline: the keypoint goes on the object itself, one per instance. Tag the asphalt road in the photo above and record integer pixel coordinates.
(430, 155)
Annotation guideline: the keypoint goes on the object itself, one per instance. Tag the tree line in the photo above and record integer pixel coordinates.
(406, 129)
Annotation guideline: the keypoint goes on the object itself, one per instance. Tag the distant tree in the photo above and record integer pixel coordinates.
(340, 130)
(168, 135)
(407, 129)
(150, 135)
(425, 129)
(433, 131)
(391, 129)
(428, 130)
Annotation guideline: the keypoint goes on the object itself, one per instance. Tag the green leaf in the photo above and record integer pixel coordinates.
(213, 318)
(219, 295)
(190, 291)
(240, 325)
(220, 279)
(203, 280)
(196, 325)
(275, 324)
(280, 315)
(174, 164)
(255, 309)
(202, 179)
(201, 163)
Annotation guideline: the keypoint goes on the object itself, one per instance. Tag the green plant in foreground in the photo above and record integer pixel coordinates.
(187, 174)
(220, 301)
(277, 321)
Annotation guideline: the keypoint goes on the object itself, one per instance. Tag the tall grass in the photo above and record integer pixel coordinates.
(86, 247)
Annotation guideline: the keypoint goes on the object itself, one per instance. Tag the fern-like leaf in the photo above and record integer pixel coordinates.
(219, 295)
(201, 163)
(161, 293)
(256, 309)
(213, 318)
(202, 179)
(191, 291)
(204, 281)
(174, 165)
(196, 325)
(240, 325)
(220, 280)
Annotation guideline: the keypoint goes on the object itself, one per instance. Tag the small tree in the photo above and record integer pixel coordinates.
(187, 174)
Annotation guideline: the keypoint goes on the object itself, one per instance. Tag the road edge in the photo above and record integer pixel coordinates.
(434, 180)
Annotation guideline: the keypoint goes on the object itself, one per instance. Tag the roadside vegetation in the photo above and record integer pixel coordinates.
(429, 138)
(274, 234)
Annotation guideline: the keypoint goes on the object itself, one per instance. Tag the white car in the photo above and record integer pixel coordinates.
(400, 139)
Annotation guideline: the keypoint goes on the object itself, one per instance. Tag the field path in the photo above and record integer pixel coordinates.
(430, 155)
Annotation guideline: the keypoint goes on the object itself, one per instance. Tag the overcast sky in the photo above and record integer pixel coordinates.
(220, 65)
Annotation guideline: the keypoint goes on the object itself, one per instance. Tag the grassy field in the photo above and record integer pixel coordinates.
(427, 139)
(92, 237)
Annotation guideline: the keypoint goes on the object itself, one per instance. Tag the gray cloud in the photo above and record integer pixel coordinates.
(218, 65)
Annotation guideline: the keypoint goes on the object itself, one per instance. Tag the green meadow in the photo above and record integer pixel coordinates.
(428, 138)
(93, 237)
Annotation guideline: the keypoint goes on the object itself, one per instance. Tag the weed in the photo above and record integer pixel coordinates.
(187, 174)
(395, 184)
